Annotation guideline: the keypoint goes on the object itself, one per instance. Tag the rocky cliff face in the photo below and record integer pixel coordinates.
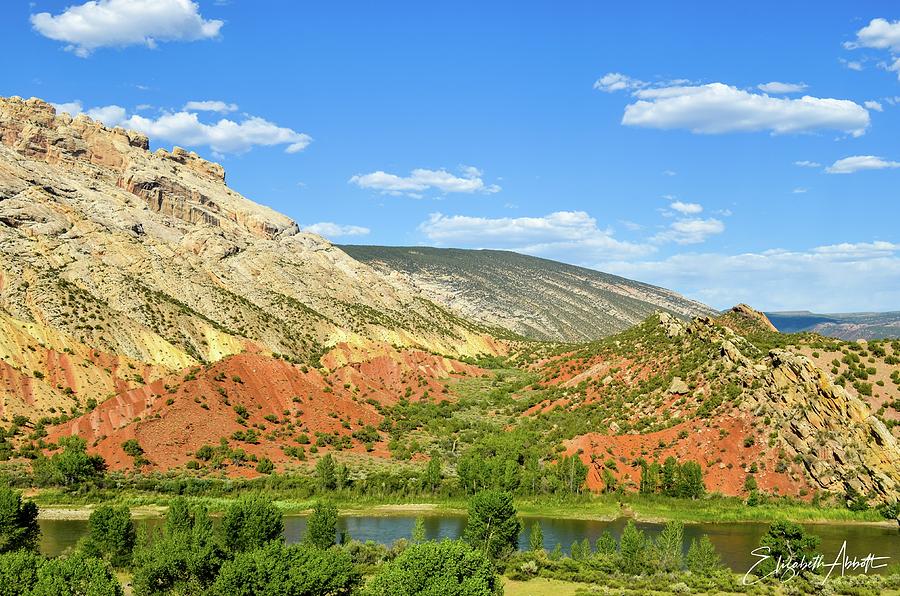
(841, 444)
(150, 256)
(833, 433)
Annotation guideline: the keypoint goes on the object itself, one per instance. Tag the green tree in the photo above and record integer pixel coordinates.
(633, 550)
(750, 484)
(572, 473)
(669, 545)
(702, 558)
(418, 533)
(472, 472)
(180, 518)
(609, 481)
(447, 568)
(690, 481)
(321, 527)
(18, 571)
(278, 570)
(18, 522)
(70, 466)
(184, 559)
(536, 537)
(75, 575)
(493, 526)
(111, 535)
(325, 473)
(789, 542)
(249, 523)
(606, 544)
(649, 477)
(586, 548)
(341, 477)
(668, 475)
(431, 480)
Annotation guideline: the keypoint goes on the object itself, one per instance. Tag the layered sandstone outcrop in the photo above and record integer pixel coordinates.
(150, 256)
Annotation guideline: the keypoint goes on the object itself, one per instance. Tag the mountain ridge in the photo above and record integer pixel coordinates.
(849, 326)
(149, 255)
(532, 296)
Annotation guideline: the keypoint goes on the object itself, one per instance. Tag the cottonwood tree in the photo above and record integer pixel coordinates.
(493, 526)
(249, 523)
(321, 527)
(111, 535)
(279, 570)
(19, 529)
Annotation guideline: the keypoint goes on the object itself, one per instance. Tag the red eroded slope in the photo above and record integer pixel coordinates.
(719, 449)
(727, 442)
(173, 417)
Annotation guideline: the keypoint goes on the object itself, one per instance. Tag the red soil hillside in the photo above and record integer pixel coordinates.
(719, 448)
(268, 402)
(716, 442)
(47, 373)
(739, 406)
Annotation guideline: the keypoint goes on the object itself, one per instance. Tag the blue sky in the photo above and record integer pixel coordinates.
(633, 140)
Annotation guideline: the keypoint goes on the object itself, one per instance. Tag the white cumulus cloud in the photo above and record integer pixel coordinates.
(874, 105)
(690, 230)
(73, 108)
(835, 278)
(857, 163)
(717, 108)
(421, 180)
(686, 208)
(559, 234)
(781, 88)
(118, 23)
(185, 128)
(210, 106)
(333, 230)
(805, 163)
(615, 81)
(879, 34)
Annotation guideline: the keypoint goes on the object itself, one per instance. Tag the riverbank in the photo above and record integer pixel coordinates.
(56, 504)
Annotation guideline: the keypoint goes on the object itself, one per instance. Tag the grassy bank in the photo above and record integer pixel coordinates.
(554, 587)
(598, 507)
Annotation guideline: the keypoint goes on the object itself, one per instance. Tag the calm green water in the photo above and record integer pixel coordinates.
(734, 541)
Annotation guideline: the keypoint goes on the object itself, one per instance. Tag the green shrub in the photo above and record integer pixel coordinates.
(278, 570)
(183, 559)
(433, 568)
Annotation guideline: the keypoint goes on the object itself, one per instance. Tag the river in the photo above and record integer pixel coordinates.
(733, 541)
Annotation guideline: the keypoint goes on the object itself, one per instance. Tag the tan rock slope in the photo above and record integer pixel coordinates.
(149, 255)
(537, 298)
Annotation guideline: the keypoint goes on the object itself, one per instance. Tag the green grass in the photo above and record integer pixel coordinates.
(605, 507)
